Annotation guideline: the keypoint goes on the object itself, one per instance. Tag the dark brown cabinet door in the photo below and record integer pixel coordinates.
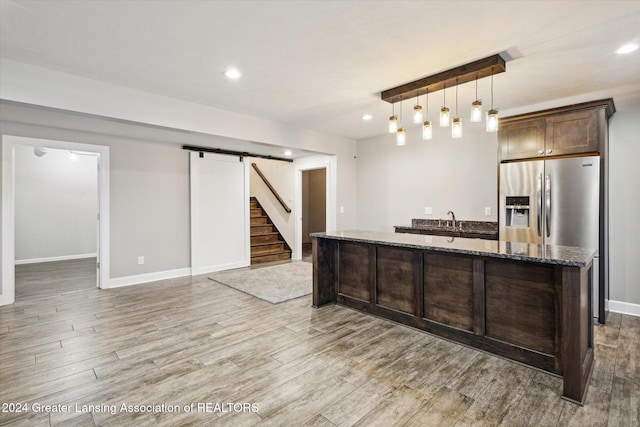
(522, 139)
(572, 133)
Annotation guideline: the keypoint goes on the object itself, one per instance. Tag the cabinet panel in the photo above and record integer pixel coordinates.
(521, 305)
(448, 290)
(522, 139)
(396, 282)
(354, 275)
(572, 133)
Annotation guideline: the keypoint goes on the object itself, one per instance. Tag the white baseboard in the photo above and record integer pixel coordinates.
(54, 258)
(214, 268)
(624, 308)
(146, 278)
(6, 300)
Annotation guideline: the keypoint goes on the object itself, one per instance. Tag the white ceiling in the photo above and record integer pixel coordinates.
(323, 64)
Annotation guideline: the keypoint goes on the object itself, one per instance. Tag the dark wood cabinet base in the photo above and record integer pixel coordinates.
(530, 312)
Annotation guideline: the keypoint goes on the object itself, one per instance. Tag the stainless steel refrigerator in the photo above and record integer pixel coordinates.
(553, 202)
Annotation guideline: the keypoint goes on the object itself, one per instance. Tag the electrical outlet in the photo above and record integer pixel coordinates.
(428, 210)
(341, 209)
(487, 211)
(140, 260)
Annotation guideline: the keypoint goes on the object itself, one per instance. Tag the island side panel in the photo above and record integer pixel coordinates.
(355, 262)
(577, 332)
(448, 290)
(396, 280)
(324, 253)
(521, 306)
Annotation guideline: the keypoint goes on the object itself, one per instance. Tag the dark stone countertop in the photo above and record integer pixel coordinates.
(462, 226)
(547, 254)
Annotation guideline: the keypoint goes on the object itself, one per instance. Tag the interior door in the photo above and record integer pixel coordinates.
(219, 213)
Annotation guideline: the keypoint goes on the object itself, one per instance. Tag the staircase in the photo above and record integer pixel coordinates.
(267, 243)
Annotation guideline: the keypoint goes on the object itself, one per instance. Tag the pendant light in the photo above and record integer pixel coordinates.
(492, 115)
(456, 125)
(476, 107)
(427, 130)
(401, 136)
(444, 111)
(417, 112)
(393, 120)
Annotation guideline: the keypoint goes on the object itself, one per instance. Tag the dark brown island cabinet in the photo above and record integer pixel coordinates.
(525, 302)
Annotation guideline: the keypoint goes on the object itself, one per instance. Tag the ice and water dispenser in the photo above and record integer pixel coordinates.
(518, 210)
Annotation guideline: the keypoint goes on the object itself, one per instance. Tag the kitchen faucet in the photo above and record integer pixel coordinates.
(453, 218)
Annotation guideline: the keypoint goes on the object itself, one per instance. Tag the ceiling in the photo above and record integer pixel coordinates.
(323, 64)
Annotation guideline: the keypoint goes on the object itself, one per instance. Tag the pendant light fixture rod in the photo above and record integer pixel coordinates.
(492, 92)
(456, 97)
(481, 68)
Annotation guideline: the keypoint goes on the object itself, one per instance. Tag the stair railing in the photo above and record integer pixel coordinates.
(273, 190)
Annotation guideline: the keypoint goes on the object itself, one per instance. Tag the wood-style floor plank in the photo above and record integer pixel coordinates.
(192, 340)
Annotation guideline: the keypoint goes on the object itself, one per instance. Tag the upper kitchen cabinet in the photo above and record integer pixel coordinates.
(574, 129)
(521, 139)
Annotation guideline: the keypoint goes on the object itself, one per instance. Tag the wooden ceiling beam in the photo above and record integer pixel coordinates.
(481, 68)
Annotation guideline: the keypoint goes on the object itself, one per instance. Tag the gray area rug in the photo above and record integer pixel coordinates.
(273, 284)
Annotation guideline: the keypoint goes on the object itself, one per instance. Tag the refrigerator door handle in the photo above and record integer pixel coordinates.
(539, 203)
(547, 196)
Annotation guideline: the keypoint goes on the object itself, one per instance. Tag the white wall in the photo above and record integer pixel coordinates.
(149, 206)
(149, 177)
(395, 183)
(56, 203)
(39, 86)
(624, 206)
(149, 196)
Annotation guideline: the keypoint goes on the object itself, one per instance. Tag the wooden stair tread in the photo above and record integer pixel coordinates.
(269, 258)
(267, 244)
(269, 251)
(263, 244)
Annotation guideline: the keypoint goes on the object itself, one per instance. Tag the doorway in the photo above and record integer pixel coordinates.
(35, 252)
(56, 226)
(314, 207)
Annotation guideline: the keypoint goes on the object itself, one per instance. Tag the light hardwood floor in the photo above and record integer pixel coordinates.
(192, 340)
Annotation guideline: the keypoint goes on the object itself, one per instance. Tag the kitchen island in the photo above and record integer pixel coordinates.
(526, 302)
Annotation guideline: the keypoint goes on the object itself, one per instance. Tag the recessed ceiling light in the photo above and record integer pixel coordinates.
(232, 73)
(367, 117)
(288, 153)
(627, 48)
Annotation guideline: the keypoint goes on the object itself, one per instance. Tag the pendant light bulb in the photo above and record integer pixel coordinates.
(427, 130)
(444, 117)
(401, 137)
(492, 114)
(476, 107)
(444, 111)
(393, 120)
(456, 124)
(417, 112)
(492, 121)
(476, 111)
(393, 124)
(456, 128)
